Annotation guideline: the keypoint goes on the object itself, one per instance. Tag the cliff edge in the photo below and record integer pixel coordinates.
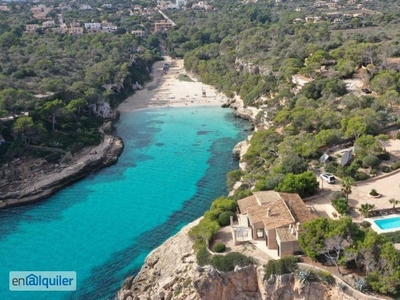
(22, 184)
(171, 272)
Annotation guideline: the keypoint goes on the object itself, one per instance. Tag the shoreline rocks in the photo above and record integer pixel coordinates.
(32, 189)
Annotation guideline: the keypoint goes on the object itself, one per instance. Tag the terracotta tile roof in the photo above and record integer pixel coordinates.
(279, 215)
(247, 202)
(285, 235)
(297, 207)
(284, 209)
(266, 197)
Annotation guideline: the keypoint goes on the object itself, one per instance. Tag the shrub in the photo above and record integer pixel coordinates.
(360, 284)
(398, 136)
(384, 156)
(224, 218)
(232, 177)
(241, 193)
(373, 192)
(386, 169)
(305, 275)
(395, 165)
(325, 277)
(288, 264)
(272, 182)
(374, 172)
(219, 247)
(360, 176)
(203, 256)
(371, 161)
(331, 167)
(212, 214)
(204, 230)
(224, 204)
(336, 195)
(394, 237)
(365, 224)
(226, 263)
(341, 205)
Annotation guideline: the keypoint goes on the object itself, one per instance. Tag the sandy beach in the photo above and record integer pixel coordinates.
(167, 89)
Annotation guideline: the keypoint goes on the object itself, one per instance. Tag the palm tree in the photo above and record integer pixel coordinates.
(365, 209)
(394, 202)
(347, 182)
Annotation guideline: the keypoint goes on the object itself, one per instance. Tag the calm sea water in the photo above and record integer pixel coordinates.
(173, 165)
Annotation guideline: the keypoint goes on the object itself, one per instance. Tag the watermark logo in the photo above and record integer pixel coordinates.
(42, 281)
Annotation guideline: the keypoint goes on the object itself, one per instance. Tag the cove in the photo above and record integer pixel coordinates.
(173, 165)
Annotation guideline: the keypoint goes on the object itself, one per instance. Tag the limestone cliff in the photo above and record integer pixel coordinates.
(21, 183)
(171, 272)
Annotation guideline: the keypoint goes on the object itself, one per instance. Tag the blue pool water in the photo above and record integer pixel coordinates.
(388, 223)
(173, 165)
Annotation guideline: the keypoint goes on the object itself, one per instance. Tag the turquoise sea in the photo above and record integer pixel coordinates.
(173, 165)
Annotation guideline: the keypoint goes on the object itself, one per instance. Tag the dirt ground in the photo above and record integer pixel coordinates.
(386, 184)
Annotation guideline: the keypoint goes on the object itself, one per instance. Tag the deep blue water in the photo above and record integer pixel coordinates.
(173, 165)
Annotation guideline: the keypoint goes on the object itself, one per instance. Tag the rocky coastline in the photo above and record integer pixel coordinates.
(171, 272)
(23, 183)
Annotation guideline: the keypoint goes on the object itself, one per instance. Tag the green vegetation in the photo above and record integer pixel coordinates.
(287, 264)
(219, 247)
(347, 183)
(360, 176)
(366, 209)
(393, 237)
(304, 184)
(395, 165)
(224, 218)
(371, 161)
(226, 263)
(373, 192)
(341, 206)
(55, 85)
(341, 242)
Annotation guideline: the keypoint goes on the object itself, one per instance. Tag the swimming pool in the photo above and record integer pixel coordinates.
(385, 224)
(389, 223)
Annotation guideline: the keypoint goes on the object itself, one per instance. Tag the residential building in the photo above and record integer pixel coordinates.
(85, 7)
(63, 29)
(4, 8)
(48, 24)
(139, 32)
(162, 25)
(108, 26)
(31, 28)
(273, 217)
(320, 3)
(92, 26)
(75, 31)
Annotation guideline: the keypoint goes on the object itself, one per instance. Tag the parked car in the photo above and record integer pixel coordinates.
(329, 178)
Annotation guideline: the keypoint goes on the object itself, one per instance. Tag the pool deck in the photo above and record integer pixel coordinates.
(376, 228)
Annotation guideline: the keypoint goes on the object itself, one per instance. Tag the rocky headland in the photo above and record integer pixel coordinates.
(23, 182)
(171, 272)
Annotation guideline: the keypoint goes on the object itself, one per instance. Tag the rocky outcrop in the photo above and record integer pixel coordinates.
(241, 111)
(28, 184)
(171, 272)
(167, 273)
(238, 149)
(251, 68)
(239, 284)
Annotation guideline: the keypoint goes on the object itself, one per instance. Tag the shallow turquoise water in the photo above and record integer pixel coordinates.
(173, 165)
(388, 223)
